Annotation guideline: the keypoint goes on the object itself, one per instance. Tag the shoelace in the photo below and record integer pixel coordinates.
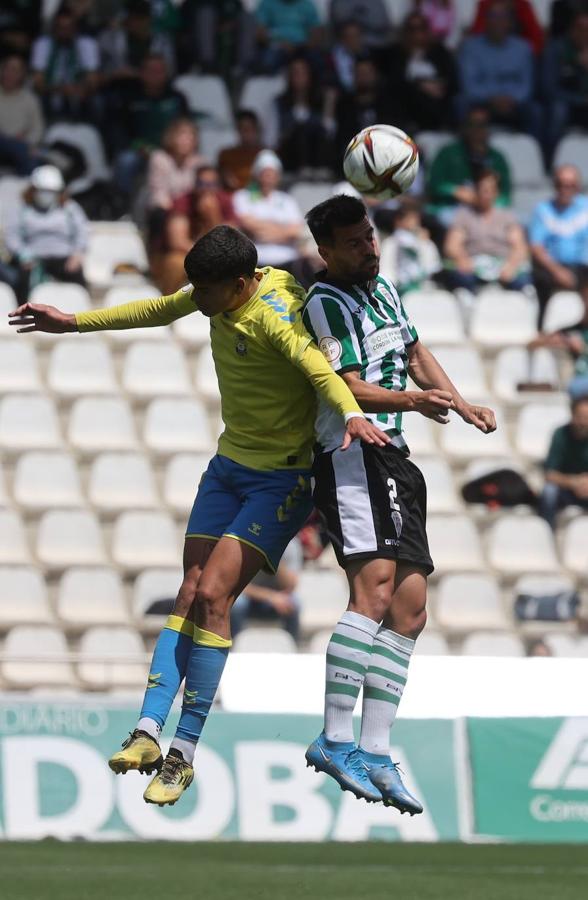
(356, 764)
(170, 769)
(128, 740)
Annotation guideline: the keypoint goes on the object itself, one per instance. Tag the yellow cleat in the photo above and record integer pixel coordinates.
(140, 752)
(168, 786)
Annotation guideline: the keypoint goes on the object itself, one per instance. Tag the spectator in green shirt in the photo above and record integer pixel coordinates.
(455, 167)
(566, 466)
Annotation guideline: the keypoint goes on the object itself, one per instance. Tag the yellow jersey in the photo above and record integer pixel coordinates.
(267, 365)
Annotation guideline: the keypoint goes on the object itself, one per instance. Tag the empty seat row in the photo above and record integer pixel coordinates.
(97, 424)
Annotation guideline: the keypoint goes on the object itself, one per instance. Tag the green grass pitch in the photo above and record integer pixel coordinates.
(228, 871)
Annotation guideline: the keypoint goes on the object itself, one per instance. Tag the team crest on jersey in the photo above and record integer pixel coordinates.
(241, 347)
(331, 348)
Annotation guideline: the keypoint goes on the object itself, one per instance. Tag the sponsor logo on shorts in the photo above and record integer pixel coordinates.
(331, 348)
(255, 529)
(394, 507)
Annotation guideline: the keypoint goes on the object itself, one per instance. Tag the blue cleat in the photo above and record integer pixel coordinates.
(385, 776)
(341, 762)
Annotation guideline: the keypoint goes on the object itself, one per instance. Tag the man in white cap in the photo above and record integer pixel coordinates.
(270, 217)
(48, 234)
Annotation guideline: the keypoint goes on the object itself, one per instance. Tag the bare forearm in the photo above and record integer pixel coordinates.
(567, 482)
(375, 399)
(541, 256)
(428, 374)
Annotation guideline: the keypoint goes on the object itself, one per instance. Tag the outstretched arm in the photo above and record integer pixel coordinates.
(429, 374)
(138, 314)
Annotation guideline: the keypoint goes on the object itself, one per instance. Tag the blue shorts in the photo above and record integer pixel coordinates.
(262, 509)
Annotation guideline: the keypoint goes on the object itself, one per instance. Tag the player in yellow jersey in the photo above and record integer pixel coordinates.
(255, 494)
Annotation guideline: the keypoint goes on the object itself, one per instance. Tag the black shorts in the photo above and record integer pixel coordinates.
(374, 501)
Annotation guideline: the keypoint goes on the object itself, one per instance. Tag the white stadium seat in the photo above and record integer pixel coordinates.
(516, 365)
(464, 367)
(142, 539)
(46, 480)
(88, 141)
(207, 95)
(91, 596)
(151, 371)
(320, 641)
(111, 244)
(14, 548)
(563, 309)
(462, 442)
(97, 424)
(572, 150)
(436, 316)
(308, 193)
(19, 368)
(83, 367)
(468, 602)
(193, 330)
(259, 94)
(519, 544)
(503, 318)
(214, 139)
(23, 597)
(36, 655)
(455, 545)
(182, 477)
(121, 481)
(575, 546)
(430, 142)
(482, 643)
(71, 298)
(441, 493)
(420, 434)
(28, 423)
(3, 490)
(323, 597)
(11, 191)
(8, 303)
(69, 539)
(151, 586)
(112, 657)
(535, 426)
(523, 155)
(431, 643)
(177, 426)
(205, 377)
(264, 640)
(561, 644)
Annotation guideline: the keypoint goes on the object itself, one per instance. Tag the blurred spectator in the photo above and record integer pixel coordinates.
(284, 26)
(269, 216)
(20, 24)
(271, 597)
(305, 122)
(558, 234)
(442, 19)
(409, 257)
(371, 101)
(574, 340)
(497, 71)
(220, 33)
(455, 167)
(172, 170)
(235, 163)
(372, 14)
(21, 119)
(144, 110)
(562, 13)
(129, 39)
(566, 466)
(190, 216)
(349, 46)
(526, 23)
(65, 68)
(538, 648)
(486, 244)
(565, 80)
(423, 73)
(48, 235)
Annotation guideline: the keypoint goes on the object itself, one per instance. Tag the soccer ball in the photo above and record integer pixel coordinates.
(381, 161)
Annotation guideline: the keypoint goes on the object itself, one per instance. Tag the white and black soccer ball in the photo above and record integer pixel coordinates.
(381, 161)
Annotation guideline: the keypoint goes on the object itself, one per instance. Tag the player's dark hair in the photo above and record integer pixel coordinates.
(219, 255)
(336, 212)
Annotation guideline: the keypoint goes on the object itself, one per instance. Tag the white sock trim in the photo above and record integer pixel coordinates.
(398, 641)
(150, 726)
(186, 748)
(362, 623)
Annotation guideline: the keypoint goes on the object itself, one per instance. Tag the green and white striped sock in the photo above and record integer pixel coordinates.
(348, 655)
(384, 683)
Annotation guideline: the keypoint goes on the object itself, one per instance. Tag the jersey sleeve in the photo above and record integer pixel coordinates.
(409, 332)
(332, 329)
(139, 313)
(287, 333)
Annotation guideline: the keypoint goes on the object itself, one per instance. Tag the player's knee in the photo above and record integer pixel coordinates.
(374, 602)
(418, 623)
(212, 607)
(185, 598)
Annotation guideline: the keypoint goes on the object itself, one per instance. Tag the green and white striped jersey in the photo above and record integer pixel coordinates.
(362, 328)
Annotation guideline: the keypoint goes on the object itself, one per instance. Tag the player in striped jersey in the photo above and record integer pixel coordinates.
(373, 499)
